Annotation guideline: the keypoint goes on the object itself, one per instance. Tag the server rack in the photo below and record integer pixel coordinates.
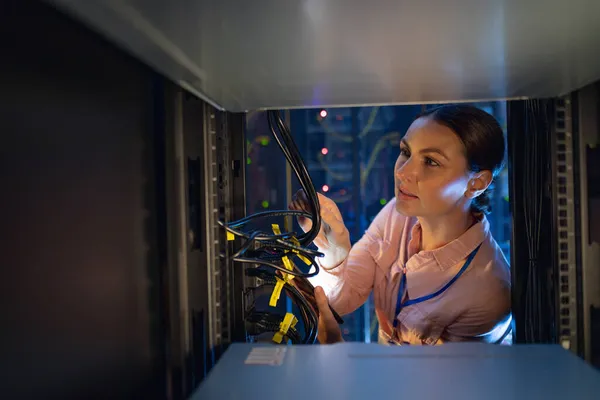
(165, 167)
(114, 180)
(205, 150)
(565, 262)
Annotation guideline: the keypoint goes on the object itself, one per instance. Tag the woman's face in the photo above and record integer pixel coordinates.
(431, 173)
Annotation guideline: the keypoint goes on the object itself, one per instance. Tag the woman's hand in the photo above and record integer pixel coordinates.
(329, 330)
(333, 238)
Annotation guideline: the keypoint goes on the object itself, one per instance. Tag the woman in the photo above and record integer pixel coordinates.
(436, 272)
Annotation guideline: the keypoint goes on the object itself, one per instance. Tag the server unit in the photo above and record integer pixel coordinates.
(586, 139)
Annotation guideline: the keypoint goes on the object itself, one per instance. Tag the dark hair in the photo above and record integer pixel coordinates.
(483, 139)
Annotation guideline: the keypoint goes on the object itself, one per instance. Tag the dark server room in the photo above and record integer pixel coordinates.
(220, 200)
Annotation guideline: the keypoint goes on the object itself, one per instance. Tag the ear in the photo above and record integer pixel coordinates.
(478, 184)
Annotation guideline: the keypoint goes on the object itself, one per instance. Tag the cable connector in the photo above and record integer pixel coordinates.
(289, 321)
(259, 273)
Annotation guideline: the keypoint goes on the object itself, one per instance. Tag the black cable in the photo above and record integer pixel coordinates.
(231, 228)
(273, 241)
(537, 168)
(246, 245)
(269, 250)
(309, 316)
(264, 214)
(531, 203)
(292, 154)
(314, 319)
(261, 326)
(279, 267)
(287, 145)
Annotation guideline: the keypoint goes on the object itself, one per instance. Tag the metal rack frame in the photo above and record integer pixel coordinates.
(205, 183)
(567, 221)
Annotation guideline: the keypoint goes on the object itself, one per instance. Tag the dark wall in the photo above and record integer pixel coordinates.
(78, 213)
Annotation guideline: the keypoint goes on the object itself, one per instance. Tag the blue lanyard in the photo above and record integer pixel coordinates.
(400, 305)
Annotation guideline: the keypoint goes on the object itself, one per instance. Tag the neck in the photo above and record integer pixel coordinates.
(439, 231)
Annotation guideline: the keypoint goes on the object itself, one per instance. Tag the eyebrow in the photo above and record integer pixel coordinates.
(428, 150)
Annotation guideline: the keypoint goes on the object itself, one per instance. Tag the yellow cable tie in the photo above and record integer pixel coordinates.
(288, 322)
(306, 260)
(300, 256)
(230, 236)
(276, 292)
(287, 263)
(277, 337)
(276, 229)
(296, 243)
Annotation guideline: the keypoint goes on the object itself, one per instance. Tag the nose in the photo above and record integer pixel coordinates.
(405, 172)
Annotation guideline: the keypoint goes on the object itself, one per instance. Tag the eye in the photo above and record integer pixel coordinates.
(404, 152)
(431, 162)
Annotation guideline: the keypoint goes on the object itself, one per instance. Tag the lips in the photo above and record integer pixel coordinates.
(406, 193)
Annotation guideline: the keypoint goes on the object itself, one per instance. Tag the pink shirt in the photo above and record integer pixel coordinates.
(476, 307)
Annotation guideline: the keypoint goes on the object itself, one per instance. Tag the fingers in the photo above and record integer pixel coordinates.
(330, 330)
(322, 301)
(331, 217)
(332, 224)
(299, 202)
(329, 210)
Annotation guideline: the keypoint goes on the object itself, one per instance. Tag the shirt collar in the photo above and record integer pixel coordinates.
(454, 252)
